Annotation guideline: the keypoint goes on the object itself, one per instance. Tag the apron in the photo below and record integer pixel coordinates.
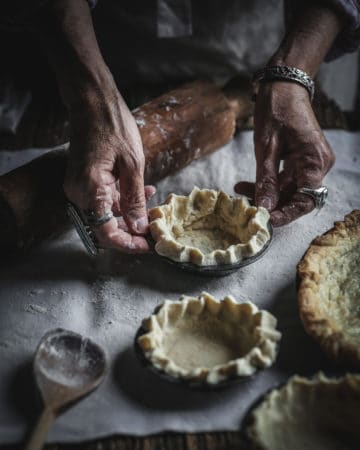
(168, 41)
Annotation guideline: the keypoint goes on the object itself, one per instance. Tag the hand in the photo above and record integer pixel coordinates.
(105, 172)
(286, 130)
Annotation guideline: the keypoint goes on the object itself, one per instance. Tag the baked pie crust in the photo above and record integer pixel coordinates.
(329, 290)
(319, 413)
(208, 228)
(206, 340)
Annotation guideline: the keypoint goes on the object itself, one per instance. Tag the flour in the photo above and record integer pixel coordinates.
(106, 299)
(35, 309)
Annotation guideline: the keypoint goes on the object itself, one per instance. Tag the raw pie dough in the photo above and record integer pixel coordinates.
(314, 414)
(329, 290)
(208, 340)
(208, 227)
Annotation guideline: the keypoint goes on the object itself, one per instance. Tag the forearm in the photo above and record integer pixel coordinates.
(309, 38)
(66, 30)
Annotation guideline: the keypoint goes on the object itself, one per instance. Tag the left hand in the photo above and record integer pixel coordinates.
(286, 129)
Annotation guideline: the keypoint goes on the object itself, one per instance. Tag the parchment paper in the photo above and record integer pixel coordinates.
(59, 285)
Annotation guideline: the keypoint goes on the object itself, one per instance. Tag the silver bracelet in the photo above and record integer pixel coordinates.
(286, 73)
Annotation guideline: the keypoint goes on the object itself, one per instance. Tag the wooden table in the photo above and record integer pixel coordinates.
(45, 124)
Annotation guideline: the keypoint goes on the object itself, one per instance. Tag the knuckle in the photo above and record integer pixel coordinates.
(265, 142)
(133, 161)
(135, 200)
(266, 182)
(303, 205)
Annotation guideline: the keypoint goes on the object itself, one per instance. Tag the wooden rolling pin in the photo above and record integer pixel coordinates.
(176, 128)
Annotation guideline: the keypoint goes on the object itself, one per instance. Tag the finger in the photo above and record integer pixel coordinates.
(150, 191)
(287, 189)
(132, 197)
(296, 207)
(116, 209)
(286, 176)
(309, 170)
(267, 168)
(122, 224)
(110, 235)
(245, 188)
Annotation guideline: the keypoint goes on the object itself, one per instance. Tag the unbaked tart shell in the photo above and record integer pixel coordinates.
(208, 227)
(208, 340)
(329, 290)
(320, 413)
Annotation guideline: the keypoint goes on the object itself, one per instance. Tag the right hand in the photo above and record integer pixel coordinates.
(106, 172)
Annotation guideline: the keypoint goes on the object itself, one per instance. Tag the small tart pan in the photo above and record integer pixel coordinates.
(189, 383)
(217, 270)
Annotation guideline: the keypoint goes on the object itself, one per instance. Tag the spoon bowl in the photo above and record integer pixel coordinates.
(67, 366)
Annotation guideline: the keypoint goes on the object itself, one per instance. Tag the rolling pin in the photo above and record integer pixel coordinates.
(176, 128)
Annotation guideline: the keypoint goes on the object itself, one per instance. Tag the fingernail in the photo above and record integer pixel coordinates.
(265, 202)
(141, 225)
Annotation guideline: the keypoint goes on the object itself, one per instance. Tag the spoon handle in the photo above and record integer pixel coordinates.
(38, 436)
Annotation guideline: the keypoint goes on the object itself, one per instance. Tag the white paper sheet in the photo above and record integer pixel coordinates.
(59, 285)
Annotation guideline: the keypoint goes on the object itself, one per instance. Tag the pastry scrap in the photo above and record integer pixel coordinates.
(208, 228)
(208, 340)
(318, 414)
(329, 290)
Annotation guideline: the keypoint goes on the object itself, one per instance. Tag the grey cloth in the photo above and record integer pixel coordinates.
(13, 104)
(59, 285)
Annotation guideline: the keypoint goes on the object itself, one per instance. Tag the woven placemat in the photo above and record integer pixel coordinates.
(167, 441)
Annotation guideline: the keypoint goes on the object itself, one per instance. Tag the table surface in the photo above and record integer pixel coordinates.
(174, 441)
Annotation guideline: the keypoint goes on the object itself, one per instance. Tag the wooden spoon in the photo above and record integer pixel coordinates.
(67, 366)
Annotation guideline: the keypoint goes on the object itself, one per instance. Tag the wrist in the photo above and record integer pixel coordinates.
(293, 58)
(309, 38)
(88, 88)
(284, 91)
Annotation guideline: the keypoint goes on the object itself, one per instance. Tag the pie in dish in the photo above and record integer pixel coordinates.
(329, 290)
(316, 414)
(208, 340)
(208, 228)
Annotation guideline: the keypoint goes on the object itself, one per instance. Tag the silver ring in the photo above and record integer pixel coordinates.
(319, 195)
(93, 220)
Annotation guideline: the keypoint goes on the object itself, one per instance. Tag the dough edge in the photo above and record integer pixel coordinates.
(262, 355)
(166, 245)
(288, 393)
(319, 325)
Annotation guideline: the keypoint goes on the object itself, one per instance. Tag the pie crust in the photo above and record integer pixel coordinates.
(318, 414)
(208, 228)
(329, 290)
(208, 340)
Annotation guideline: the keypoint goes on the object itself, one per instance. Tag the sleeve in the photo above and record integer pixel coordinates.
(18, 14)
(348, 39)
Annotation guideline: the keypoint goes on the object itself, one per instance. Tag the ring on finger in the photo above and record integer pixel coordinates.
(319, 195)
(94, 220)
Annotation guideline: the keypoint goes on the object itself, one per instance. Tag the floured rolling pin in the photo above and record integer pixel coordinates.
(176, 128)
